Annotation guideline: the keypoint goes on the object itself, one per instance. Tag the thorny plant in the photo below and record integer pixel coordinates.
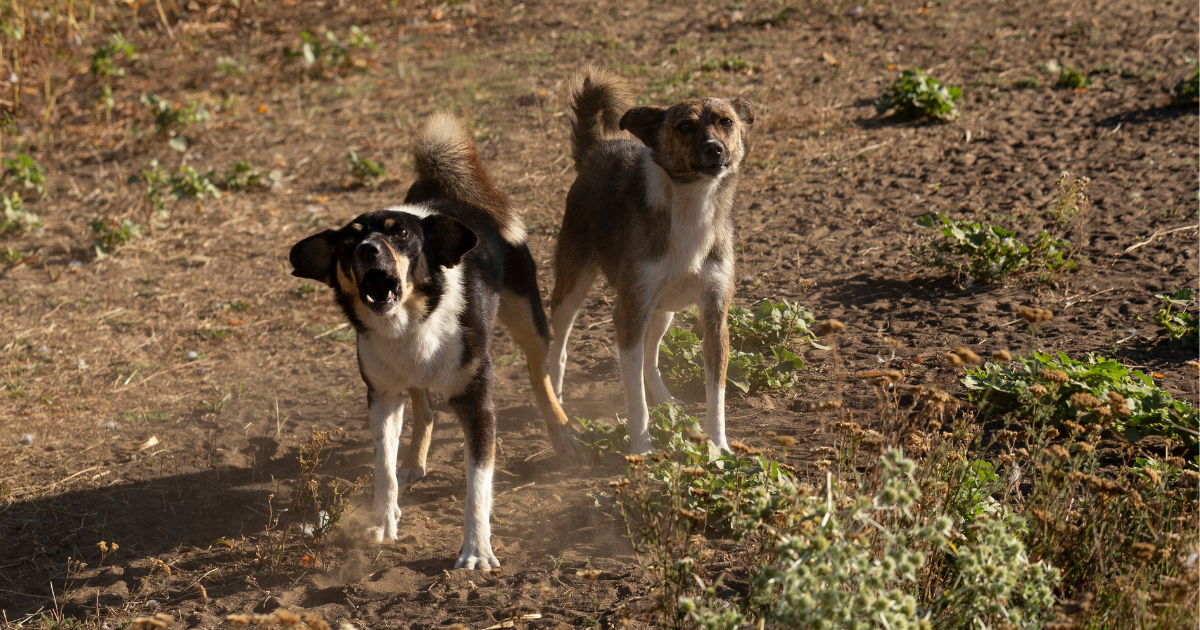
(941, 515)
(316, 508)
(989, 254)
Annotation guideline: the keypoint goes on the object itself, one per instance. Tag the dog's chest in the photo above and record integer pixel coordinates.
(423, 358)
(677, 278)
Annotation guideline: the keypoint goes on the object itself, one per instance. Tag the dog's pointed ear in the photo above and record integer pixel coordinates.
(644, 122)
(313, 257)
(447, 240)
(744, 109)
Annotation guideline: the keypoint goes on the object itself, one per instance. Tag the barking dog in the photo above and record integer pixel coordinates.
(422, 284)
(655, 217)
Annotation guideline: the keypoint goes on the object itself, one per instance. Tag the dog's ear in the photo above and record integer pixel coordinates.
(745, 111)
(644, 122)
(447, 240)
(313, 257)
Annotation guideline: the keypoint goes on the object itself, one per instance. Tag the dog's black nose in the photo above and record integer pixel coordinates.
(367, 250)
(713, 150)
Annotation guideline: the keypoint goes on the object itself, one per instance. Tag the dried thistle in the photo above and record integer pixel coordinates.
(828, 405)
(1035, 316)
(516, 612)
(785, 441)
(831, 327)
(1085, 401)
(1038, 390)
(160, 620)
(1055, 376)
(883, 376)
(1002, 355)
(955, 360)
(967, 354)
(694, 470)
(635, 460)
(697, 438)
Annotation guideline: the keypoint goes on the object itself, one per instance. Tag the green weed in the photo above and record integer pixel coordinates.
(327, 52)
(917, 95)
(1072, 78)
(243, 176)
(10, 255)
(368, 172)
(210, 334)
(104, 59)
(1097, 391)
(1179, 319)
(17, 218)
(110, 236)
(1187, 91)
(26, 171)
(229, 67)
(187, 183)
(989, 254)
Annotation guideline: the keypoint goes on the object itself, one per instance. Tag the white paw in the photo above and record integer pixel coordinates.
(477, 557)
(664, 399)
(378, 535)
(409, 476)
(640, 447)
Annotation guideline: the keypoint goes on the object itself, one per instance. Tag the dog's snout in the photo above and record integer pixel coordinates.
(367, 250)
(714, 149)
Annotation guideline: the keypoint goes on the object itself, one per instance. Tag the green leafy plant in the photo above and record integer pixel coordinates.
(104, 59)
(1096, 391)
(368, 172)
(1187, 91)
(26, 171)
(110, 236)
(1072, 78)
(917, 95)
(16, 217)
(187, 183)
(988, 253)
(170, 117)
(229, 67)
(669, 428)
(327, 52)
(759, 357)
(10, 255)
(1179, 319)
(243, 176)
(736, 63)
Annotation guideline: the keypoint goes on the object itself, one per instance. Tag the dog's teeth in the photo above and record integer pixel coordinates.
(370, 300)
(391, 296)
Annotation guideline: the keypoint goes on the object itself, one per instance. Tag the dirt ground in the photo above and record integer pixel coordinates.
(97, 351)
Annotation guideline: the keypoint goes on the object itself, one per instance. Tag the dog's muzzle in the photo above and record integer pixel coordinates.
(712, 158)
(380, 284)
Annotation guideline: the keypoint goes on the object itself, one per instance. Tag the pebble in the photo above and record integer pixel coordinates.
(27, 438)
(110, 426)
(192, 356)
(152, 603)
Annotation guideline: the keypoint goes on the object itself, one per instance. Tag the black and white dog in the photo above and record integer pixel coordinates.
(422, 283)
(655, 217)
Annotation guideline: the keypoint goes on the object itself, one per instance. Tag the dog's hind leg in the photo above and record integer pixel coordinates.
(387, 419)
(656, 390)
(522, 315)
(413, 467)
(631, 319)
(571, 286)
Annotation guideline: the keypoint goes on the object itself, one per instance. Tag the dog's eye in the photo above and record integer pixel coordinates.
(400, 234)
(685, 127)
(726, 123)
(349, 242)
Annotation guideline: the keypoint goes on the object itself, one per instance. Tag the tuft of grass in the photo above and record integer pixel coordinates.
(229, 67)
(1187, 91)
(368, 172)
(1027, 82)
(1071, 78)
(917, 95)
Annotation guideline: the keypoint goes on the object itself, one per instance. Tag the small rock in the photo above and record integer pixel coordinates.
(110, 426)
(27, 438)
(43, 349)
(82, 364)
(152, 603)
(967, 159)
(192, 356)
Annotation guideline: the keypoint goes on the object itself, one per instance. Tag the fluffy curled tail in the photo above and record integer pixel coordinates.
(598, 100)
(444, 154)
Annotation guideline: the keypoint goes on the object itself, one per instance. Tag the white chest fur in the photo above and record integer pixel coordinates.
(399, 352)
(676, 279)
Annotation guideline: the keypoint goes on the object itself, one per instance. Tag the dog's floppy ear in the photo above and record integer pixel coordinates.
(745, 111)
(447, 240)
(313, 257)
(644, 122)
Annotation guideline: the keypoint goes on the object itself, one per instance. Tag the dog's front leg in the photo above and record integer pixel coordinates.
(387, 419)
(474, 410)
(631, 321)
(714, 317)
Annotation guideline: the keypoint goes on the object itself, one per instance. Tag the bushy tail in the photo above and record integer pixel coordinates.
(444, 154)
(598, 100)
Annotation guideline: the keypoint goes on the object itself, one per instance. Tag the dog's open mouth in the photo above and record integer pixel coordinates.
(379, 289)
(711, 171)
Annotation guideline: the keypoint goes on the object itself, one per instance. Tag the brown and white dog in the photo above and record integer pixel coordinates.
(655, 217)
(423, 283)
